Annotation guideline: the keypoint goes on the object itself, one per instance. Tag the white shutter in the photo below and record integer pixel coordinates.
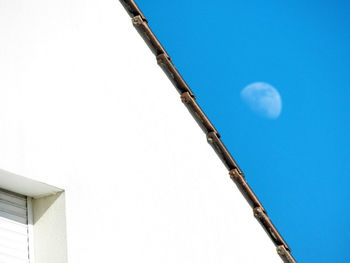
(13, 228)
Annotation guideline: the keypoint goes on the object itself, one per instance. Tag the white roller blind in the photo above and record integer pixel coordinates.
(13, 228)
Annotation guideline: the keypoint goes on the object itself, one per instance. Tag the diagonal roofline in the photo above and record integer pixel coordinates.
(140, 22)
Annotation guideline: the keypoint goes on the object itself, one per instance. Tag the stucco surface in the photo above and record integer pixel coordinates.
(84, 107)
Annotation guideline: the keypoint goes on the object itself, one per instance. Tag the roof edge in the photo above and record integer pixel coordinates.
(140, 22)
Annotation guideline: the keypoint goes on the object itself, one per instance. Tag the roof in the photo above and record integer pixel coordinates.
(140, 22)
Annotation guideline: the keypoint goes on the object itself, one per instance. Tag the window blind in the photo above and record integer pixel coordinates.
(14, 240)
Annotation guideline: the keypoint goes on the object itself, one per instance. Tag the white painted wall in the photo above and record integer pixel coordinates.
(84, 107)
(49, 237)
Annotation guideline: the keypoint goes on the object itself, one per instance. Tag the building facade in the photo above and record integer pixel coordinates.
(99, 159)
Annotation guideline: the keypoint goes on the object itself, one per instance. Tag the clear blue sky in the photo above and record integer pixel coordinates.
(298, 164)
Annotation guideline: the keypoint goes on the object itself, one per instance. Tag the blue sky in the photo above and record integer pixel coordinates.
(299, 163)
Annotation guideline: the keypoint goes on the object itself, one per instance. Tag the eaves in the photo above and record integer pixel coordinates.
(140, 22)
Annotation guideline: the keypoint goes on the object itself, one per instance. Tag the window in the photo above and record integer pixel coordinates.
(15, 229)
(32, 221)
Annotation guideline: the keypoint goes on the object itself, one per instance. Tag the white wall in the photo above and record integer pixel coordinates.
(49, 235)
(84, 107)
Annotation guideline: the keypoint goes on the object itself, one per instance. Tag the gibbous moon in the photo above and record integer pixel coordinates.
(263, 99)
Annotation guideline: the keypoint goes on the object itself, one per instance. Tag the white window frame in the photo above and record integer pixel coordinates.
(38, 194)
(30, 230)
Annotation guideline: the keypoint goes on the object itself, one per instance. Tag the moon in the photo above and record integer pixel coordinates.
(263, 99)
